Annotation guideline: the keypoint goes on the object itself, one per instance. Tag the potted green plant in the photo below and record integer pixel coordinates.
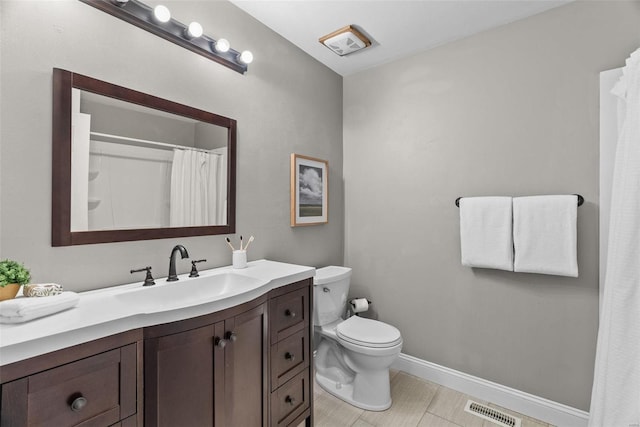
(12, 276)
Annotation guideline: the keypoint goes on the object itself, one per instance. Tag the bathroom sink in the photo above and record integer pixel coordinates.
(187, 292)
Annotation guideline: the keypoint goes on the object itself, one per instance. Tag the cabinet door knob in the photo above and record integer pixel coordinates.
(231, 336)
(290, 400)
(290, 356)
(219, 342)
(78, 403)
(290, 313)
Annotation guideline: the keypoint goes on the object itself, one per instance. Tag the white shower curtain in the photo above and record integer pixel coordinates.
(615, 398)
(195, 189)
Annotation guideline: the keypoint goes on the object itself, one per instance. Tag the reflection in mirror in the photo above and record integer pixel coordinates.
(137, 166)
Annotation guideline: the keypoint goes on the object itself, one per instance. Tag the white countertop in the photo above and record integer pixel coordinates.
(101, 312)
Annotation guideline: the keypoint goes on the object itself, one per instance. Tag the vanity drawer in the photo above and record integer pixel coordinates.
(96, 391)
(289, 357)
(290, 400)
(288, 313)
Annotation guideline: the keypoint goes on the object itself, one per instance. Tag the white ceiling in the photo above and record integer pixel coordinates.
(397, 28)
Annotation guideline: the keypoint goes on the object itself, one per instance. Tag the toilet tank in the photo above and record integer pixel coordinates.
(330, 290)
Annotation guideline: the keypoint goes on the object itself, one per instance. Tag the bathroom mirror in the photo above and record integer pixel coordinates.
(132, 166)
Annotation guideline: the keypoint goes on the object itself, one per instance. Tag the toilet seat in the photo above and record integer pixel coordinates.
(368, 333)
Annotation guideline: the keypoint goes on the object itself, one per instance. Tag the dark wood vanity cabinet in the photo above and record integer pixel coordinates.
(213, 375)
(290, 329)
(245, 370)
(92, 384)
(245, 366)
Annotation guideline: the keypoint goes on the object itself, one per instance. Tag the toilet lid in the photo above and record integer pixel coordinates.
(368, 332)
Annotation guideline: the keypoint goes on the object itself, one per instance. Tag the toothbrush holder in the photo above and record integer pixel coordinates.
(239, 259)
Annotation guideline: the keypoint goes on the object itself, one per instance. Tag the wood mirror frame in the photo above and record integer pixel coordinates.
(61, 234)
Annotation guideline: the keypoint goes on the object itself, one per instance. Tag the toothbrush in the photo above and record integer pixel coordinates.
(241, 242)
(248, 243)
(230, 245)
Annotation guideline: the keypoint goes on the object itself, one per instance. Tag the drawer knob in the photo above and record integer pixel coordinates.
(78, 403)
(231, 336)
(290, 356)
(219, 342)
(290, 400)
(290, 313)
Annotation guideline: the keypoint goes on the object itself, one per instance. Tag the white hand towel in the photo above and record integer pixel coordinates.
(19, 310)
(545, 235)
(486, 237)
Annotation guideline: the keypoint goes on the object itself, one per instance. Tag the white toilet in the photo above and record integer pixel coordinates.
(353, 356)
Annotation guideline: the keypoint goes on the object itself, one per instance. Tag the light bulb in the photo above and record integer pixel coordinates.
(161, 13)
(222, 46)
(246, 57)
(195, 30)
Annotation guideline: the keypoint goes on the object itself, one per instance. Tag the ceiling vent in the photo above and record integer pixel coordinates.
(345, 41)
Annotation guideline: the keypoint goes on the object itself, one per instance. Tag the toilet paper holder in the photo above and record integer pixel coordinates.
(352, 306)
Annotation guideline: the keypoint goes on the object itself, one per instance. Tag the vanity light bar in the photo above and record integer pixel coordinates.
(141, 15)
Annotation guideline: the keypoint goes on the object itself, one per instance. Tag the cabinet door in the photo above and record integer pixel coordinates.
(245, 369)
(179, 378)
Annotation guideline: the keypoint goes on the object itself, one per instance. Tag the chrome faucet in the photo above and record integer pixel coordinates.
(172, 261)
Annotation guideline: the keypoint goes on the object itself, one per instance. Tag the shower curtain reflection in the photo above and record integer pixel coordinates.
(135, 187)
(198, 187)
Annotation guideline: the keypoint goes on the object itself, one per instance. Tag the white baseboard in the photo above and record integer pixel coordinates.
(527, 404)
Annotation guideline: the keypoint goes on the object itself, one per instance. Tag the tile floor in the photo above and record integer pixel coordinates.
(416, 403)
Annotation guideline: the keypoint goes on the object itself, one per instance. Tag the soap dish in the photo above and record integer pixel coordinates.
(41, 289)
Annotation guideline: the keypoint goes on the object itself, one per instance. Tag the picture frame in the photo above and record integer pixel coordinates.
(309, 191)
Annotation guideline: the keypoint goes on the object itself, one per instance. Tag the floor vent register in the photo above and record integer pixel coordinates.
(498, 417)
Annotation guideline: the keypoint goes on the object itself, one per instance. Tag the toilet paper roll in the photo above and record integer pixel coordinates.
(358, 305)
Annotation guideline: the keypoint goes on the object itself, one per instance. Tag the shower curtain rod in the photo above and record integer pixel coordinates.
(125, 139)
(580, 200)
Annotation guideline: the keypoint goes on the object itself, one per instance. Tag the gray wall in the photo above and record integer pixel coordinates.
(512, 111)
(286, 103)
